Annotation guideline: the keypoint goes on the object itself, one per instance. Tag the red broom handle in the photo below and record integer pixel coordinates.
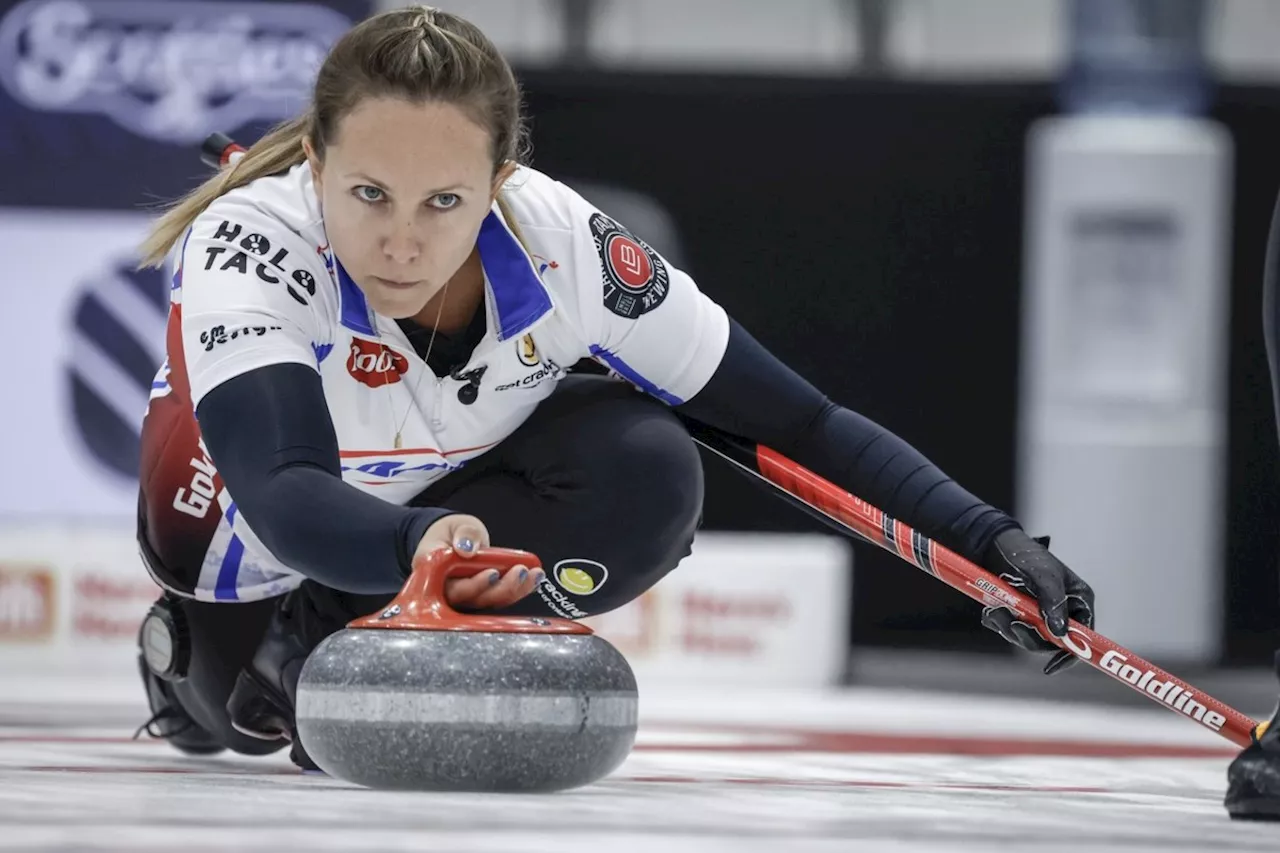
(873, 525)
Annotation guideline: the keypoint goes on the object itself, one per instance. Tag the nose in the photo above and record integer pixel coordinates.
(401, 245)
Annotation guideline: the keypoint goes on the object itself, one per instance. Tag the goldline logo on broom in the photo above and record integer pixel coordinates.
(1168, 692)
(1079, 646)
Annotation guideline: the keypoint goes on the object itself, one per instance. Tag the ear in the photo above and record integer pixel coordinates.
(504, 174)
(316, 164)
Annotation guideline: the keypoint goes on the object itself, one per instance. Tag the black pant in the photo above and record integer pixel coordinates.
(602, 483)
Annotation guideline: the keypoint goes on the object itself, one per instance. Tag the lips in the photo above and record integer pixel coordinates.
(396, 285)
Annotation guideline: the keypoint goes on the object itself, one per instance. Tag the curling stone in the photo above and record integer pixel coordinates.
(420, 697)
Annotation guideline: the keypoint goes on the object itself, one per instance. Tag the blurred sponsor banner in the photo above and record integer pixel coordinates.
(86, 332)
(103, 101)
(759, 610)
(752, 610)
(168, 70)
(71, 599)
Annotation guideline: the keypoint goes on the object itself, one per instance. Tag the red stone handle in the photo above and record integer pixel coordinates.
(421, 604)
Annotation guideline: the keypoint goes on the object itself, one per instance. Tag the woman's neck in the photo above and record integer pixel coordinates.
(460, 297)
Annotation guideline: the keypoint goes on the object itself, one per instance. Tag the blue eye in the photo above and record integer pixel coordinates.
(368, 193)
(446, 201)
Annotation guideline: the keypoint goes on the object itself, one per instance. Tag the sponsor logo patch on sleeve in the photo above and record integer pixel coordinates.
(636, 280)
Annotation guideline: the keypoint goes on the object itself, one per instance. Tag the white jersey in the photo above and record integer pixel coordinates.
(258, 285)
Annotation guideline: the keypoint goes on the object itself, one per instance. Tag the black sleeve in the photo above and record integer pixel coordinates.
(754, 395)
(269, 435)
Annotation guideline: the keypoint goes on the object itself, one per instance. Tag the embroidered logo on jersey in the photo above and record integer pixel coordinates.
(219, 334)
(375, 364)
(546, 370)
(388, 469)
(635, 278)
(527, 352)
(255, 60)
(544, 264)
(248, 252)
(469, 392)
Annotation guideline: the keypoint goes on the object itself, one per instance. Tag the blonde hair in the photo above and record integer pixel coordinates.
(418, 53)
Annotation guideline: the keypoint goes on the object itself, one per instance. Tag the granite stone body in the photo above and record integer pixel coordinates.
(466, 711)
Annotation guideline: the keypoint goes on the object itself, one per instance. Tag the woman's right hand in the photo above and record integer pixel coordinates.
(488, 590)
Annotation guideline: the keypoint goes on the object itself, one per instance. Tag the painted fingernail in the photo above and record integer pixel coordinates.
(524, 574)
(465, 544)
(494, 576)
(538, 575)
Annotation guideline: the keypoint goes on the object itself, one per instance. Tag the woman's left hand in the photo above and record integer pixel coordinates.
(1026, 565)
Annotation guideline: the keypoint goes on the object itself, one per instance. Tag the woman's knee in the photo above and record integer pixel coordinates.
(643, 507)
(645, 471)
(609, 452)
(604, 484)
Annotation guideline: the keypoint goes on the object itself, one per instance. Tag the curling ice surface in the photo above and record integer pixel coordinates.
(712, 770)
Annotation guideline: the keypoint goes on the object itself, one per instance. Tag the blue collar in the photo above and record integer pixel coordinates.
(515, 293)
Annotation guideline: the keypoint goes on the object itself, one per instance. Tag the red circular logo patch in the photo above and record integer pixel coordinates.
(630, 262)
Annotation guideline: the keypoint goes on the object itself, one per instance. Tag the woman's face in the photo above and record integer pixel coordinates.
(404, 188)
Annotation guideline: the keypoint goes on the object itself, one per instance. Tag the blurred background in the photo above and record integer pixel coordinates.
(1026, 235)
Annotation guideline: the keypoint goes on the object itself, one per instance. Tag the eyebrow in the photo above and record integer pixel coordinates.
(380, 185)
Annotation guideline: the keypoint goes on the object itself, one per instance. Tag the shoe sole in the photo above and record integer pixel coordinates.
(1255, 809)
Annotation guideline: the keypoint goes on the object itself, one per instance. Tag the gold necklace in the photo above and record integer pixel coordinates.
(399, 443)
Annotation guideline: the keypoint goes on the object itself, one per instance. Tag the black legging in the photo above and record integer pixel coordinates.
(601, 478)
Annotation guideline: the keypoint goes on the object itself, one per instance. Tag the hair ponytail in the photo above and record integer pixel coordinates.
(278, 151)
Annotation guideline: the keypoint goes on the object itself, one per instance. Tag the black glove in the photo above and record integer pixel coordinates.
(1027, 566)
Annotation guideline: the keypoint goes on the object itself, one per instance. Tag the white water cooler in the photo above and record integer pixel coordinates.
(1124, 357)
